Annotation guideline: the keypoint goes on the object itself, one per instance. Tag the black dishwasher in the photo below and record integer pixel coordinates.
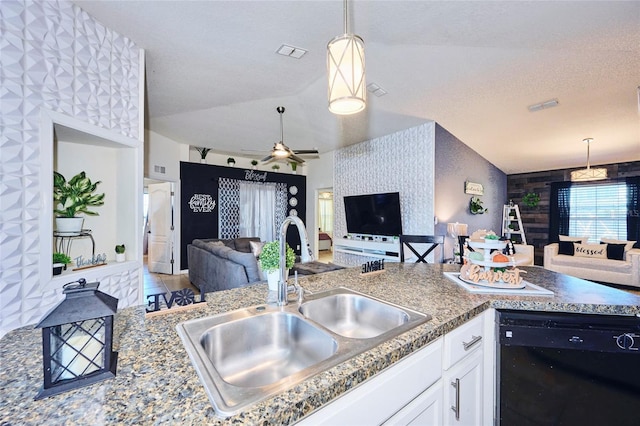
(568, 369)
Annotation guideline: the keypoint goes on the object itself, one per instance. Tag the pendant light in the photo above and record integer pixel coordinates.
(588, 173)
(345, 66)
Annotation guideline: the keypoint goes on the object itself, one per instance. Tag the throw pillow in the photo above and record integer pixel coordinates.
(566, 247)
(215, 243)
(628, 244)
(572, 239)
(615, 251)
(594, 251)
(256, 247)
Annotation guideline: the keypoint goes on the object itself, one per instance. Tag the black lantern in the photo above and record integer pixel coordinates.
(77, 337)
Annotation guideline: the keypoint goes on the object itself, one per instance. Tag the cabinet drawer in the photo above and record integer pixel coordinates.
(463, 341)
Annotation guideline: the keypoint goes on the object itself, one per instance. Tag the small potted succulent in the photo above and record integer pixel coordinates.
(203, 154)
(254, 164)
(294, 166)
(231, 162)
(275, 167)
(269, 262)
(74, 197)
(60, 262)
(120, 256)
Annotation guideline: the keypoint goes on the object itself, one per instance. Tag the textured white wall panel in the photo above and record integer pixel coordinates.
(53, 55)
(401, 162)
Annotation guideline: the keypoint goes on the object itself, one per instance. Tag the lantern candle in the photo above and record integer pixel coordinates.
(80, 355)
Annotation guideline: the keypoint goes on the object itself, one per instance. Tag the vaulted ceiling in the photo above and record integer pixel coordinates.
(214, 78)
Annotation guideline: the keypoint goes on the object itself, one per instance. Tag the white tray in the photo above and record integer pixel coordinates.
(498, 245)
(528, 290)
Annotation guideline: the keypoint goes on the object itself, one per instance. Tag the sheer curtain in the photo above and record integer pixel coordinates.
(258, 210)
(326, 215)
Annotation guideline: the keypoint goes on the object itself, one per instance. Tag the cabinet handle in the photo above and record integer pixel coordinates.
(474, 340)
(456, 408)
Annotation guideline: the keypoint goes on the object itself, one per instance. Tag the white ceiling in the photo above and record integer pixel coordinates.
(215, 80)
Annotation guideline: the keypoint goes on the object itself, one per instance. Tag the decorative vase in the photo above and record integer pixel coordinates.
(57, 268)
(120, 257)
(69, 225)
(272, 279)
(203, 161)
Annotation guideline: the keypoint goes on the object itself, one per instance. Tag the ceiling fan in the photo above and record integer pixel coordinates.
(281, 152)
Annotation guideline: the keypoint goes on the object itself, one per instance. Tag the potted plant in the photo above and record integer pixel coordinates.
(203, 154)
(275, 167)
(531, 199)
(269, 262)
(254, 164)
(475, 206)
(231, 162)
(60, 262)
(294, 166)
(74, 197)
(120, 256)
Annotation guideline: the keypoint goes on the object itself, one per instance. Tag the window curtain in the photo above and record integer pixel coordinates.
(257, 211)
(326, 215)
(559, 210)
(633, 210)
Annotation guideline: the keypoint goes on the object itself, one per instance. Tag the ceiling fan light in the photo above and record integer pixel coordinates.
(280, 153)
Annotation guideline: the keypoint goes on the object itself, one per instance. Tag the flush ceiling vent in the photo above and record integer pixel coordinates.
(376, 90)
(291, 51)
(543, 105)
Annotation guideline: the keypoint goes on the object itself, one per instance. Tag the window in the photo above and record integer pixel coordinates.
(598, 211)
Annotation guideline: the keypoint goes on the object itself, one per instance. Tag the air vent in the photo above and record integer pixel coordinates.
(543, 105)
(376, 90)
(291, 51)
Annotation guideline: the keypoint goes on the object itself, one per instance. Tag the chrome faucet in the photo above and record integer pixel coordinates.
(305, 256)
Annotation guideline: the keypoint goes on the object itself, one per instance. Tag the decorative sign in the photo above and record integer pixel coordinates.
(255, 176)
(82, 263)
(477, 273)
(184, 298)
(202, 203)
(473, 188)
(375, 266)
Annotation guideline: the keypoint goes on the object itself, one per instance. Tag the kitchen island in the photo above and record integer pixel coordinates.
(156, 382)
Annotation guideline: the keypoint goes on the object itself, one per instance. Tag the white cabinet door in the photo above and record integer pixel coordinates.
(425, 410)
(463, 390)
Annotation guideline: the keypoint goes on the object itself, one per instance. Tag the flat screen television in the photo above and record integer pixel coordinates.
(373, 214)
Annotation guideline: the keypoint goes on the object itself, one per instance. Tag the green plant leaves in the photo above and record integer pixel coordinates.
(75, 196)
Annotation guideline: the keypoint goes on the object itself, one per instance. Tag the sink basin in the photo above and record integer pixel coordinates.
(245, 356)
(248, 353)
(353, 315)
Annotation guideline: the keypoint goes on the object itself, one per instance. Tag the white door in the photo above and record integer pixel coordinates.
(160, 257)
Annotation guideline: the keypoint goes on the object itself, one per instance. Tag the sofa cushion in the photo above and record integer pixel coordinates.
(566, 247)
(242, 244)
(615, 251)
(594, 251)
(628, 244)
(590, 263)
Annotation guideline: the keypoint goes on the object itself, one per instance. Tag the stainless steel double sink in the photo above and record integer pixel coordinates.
(248, 355)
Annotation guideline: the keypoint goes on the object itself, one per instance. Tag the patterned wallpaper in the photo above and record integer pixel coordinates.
(53, 55)
(401, 162)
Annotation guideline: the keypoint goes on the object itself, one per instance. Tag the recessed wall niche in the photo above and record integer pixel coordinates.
(116, 162)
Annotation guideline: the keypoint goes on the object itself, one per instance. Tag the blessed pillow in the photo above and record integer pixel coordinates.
(594, 251)
(615, 251)
(566, 247)
(256, 247)
(628, 244)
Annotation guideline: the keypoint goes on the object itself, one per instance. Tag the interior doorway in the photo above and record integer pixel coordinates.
(324, 233)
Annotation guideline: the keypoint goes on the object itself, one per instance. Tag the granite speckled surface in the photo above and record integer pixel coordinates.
(156, 383)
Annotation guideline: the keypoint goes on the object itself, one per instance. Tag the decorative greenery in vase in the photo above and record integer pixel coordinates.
(531, 199)
(231, 161)
(294, 166)
(270, 257)
(203, 152)
(120, 249)
(275, 167)
(475, 206)
(254, 163)
(61, 258)
(75, 196)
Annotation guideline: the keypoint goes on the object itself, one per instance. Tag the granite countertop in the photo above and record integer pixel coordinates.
(157, 384)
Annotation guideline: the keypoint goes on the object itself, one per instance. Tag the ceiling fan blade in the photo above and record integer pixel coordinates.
(296, 159)
(305, 151)
(267, 158)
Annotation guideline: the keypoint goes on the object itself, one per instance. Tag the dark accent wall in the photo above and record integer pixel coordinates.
(198, 178)
(456, 163)
(535, 220)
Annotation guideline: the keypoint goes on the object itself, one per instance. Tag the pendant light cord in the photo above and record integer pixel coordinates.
(346, 11)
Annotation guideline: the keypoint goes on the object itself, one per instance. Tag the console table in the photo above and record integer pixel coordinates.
(63, 240)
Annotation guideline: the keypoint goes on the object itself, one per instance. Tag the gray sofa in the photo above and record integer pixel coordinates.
(214, 267)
